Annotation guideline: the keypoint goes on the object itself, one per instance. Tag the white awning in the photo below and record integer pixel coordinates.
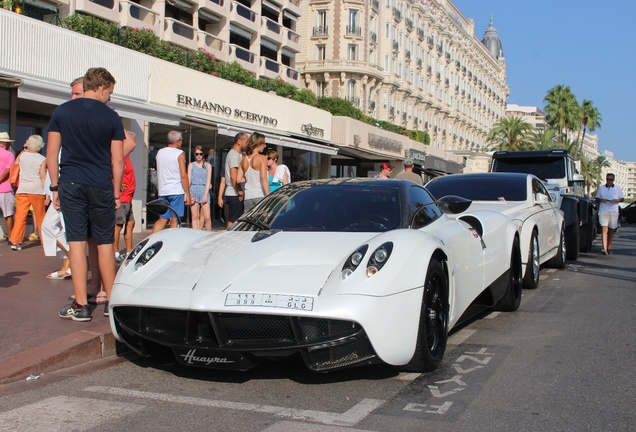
(240, 32)
(269, 45)
(55, 94)
(271, 6)
(209, 16)
(285, 141)
(289, 15)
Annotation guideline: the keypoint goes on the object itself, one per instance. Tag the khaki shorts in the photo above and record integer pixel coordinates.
(608, 219)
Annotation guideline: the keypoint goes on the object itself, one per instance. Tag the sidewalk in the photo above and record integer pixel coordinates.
(34, 339)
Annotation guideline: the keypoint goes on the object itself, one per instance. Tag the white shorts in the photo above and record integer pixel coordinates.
(608, 219)
(7, 204)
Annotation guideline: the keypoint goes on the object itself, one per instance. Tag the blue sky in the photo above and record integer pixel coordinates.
(588, 45)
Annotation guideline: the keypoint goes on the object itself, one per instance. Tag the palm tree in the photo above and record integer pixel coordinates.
(562, 110)
(510, 133)
(544, 139)
(592, 170)
(590, 120)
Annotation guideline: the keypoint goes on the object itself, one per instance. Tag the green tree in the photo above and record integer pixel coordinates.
(590, 120)
(544, 139)
(510, 133)
(562, 109)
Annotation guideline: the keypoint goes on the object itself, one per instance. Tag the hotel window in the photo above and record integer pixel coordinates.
(321, 19)
(353, 21)
(352, 52)
(321, 88)
(320, 52)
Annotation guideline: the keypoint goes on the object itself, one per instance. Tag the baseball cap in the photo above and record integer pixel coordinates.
(387, 166)
(408, 162)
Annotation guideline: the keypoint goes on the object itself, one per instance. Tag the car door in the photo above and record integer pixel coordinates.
(549, 228)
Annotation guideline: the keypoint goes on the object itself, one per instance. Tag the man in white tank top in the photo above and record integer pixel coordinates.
(172, 180)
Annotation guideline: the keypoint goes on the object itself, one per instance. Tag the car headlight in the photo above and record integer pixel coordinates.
(378, 258)
(133, 253)
(148, 254)
(354, 260)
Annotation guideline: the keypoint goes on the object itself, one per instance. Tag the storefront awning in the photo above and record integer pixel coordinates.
(285, 141)
(55, 94)
(240, 32)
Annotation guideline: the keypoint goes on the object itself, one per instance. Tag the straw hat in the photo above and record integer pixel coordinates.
(4, 137)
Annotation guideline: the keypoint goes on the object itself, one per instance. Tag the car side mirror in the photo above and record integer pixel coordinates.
(540, 198)
(453, 204)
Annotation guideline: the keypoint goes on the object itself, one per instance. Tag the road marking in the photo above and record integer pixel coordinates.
(349, 418)
(543, 277)
(492, 315)
(286, 426)
(407, 376)
(460, 337)
(60, 413)
(550, 270)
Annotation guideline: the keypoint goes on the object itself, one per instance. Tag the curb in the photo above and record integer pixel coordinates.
(77, 348)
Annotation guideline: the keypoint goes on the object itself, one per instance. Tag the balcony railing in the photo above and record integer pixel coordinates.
(429, 70)
(430, 41)
(212, 44)
(135, 15)
(373, 37)
(354, 31)
(355, 101)
(320, 31)
(420, 33)
(409, 24)
(375, 4)
(396, 46)
(180, 33)
(419, 63)
(397, 14)
(269, 68)
(392, 111)
(244, 57)
(407, 54)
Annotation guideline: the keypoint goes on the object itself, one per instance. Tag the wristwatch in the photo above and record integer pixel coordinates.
(53, 188)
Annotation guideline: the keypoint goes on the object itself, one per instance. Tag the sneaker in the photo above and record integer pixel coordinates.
(76, 312)
(16, 246)
(33, 237)
(603, 252)
(106, 311)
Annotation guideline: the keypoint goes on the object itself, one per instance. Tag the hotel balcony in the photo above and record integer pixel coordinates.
(243, 57)
(136, 16)
(320, 31)
(217, 7)
(347, 66)
(105, 9)
(180, 33)
(268, 68)
(212, 44)
(292, 40)
(272, 30)
(293, 6)
(291, 76)
(244, 16)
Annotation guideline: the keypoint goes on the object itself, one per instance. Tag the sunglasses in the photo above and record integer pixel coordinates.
(198, 154)
(610, 179)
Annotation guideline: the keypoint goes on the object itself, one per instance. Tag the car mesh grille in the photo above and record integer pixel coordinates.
(212, 330)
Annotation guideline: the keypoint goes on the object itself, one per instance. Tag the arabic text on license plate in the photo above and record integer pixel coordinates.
(270, 300)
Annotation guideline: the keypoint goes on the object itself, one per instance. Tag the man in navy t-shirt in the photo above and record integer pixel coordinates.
(87, 180)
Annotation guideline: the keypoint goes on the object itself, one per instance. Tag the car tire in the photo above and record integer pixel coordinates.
(558, 261)
(512, 298)
(432, 333)
(572, 240)
(531, 278)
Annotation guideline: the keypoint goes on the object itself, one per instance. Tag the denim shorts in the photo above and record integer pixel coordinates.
(88, 212)
(177, 202)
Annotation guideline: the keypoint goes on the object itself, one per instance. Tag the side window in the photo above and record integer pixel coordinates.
(423, 209)
(539, 188)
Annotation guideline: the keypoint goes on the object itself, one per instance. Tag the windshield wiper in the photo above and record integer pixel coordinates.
(256, 222)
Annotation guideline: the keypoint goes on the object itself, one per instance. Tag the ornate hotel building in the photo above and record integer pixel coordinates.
(414, 63)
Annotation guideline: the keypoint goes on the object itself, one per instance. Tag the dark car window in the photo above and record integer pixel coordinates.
(422, 207)
(539, 188)
(544, 168)
(360, 208)
(482, 188)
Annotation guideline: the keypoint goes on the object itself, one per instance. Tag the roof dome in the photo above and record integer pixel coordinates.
(492, 42)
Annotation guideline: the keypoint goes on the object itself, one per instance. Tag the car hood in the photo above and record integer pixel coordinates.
(231, 262)
(509, 208)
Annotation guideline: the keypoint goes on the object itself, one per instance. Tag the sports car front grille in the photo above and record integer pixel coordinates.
(325, 344)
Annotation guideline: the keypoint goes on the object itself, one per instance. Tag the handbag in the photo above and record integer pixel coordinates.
(14, 174)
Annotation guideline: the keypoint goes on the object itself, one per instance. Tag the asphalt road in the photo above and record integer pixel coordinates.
(563, 362)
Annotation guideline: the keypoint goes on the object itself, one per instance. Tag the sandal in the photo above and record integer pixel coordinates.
(58, 275)
(99, 299)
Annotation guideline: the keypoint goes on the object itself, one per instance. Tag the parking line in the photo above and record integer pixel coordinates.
(286, 426)
(459, 337)
(349, 418)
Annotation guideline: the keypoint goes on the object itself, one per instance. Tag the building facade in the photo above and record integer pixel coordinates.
(414, 63)
(260, 35)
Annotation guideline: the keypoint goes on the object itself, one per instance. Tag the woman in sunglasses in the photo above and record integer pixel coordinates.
(199, 174)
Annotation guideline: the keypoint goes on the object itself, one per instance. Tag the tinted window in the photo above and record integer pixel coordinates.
(330, 208)
(544, 168)
(422, 207)
(484, 188)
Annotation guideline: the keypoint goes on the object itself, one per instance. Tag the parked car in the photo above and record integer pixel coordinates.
(627, 214)
(343, 272)
(526, 201)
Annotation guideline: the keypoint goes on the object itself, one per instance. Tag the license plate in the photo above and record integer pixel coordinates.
(270, 300)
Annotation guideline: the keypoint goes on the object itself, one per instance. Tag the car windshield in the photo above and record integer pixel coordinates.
(326, 207)
(484, 188)
(544, 168)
